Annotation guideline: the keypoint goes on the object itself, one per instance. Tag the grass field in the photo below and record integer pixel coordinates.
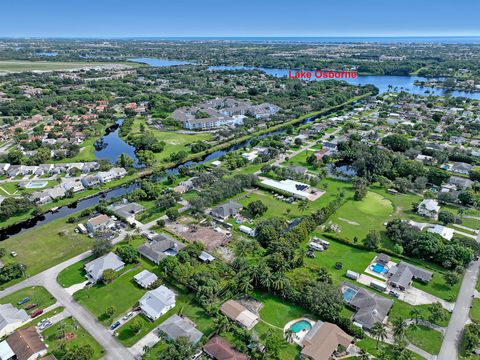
(80, 338)
(475, 310)
(24, 65)
(46, 246)
(425, 338)
(370, 345)
(73, 274)
(37, 294)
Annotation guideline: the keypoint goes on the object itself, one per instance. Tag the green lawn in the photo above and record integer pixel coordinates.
(73, 274)
(37, 294)
(46, 245)
(425, 338)
(475, 310)
(24, 65)
(402, 310)
(80, 338)
(370, 345)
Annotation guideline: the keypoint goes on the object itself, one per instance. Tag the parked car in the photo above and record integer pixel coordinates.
(115, 325)
(30, 307)
(37, 313)
(23, 301)
(394, 294)
(128, 316)
(13, 253)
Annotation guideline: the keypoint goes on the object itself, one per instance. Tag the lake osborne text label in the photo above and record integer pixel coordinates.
(319, 74)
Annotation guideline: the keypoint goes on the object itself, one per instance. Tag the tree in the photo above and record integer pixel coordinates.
(172, 214)
(399, 328)
(3, 252)
(372, 241)
(437, 313)
(125, 161)
(303, 205)
(324, 276)
(79, 352)
(110, 311)
(101, 247)
(178, 349)
(396, 142)
(466, 197)
(136, 326)
(108, 276)
(378, 332)
(256, 208)
(146, 157)
(451, 278)
(446, 217)
(128, 253)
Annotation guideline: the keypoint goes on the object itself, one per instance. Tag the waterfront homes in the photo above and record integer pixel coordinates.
(323, 340)
(429, 208)
(239, 313)
(160, 247)
(370, 307)
(157, 302)
(99, 223)
(125, 209)
(180, 326)
(221, 112)
(145, 279)
(218, 348)
(11, 318)
(95, 268)
(229, 209)
(402, 275)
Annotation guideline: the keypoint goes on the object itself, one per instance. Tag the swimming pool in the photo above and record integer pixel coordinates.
(349, 293)
(379, 269)
(301, 325)
(36, 184)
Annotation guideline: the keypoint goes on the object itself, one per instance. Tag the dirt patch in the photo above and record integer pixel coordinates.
(210, 238)
(69, 336)
(350, 222)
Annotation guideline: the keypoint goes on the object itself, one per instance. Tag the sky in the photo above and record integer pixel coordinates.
(215, 18)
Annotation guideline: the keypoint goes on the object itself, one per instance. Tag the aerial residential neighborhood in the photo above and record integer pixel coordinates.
(202, 181)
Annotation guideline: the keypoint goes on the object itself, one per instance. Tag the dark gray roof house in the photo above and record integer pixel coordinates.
(176, 327)
(460, 183)
(371, 308)
(226, 210)
(401, 275)
(126, 210)
(160, 247)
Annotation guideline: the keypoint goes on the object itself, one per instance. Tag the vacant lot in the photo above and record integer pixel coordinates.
(46, 245)
(425, 338)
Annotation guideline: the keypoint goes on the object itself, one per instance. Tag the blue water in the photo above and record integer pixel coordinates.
(46, 53)
(349, 294)
(300, 325)
(384, 83)
(160, 62)
(379, 269)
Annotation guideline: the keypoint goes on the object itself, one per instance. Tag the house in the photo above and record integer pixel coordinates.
(40, 197)
(73, 185)
(145, 278)
(90, 181)
(218, 348)
(223, 212)
(157, 302)
(126, 210)
(206, 257)
(429, 208)
(402, 275)
(239, 313)
(370, 307)
(443, 231)
(26, 344)
(95, 268)
(176, 326)
(160, 247)
(322, 340)
(100, 222)
(460, 183)
(461, 168)
(11, 318)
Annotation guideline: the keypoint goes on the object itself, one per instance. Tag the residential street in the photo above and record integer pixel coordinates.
(460, 314)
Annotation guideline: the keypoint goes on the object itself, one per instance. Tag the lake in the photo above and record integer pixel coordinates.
(161, 62)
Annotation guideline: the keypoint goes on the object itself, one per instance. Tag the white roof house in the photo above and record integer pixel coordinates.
(443, 231)
(157, 302)
(11, 318)
(429, 208)
(95, 268)
(206, 257)
(292, 187)
(145, 278)
(6, 351)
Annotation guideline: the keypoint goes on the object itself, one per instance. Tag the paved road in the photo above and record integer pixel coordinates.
(451, 341)
(48, 279)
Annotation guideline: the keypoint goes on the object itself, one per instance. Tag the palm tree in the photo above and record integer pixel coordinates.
(363, 355)
(399, 328)
(279, 281)
(245, 284)
(266, 279)
(416, 316)
(221, 323)
(324, 276)
(378, 332)
(303, 205)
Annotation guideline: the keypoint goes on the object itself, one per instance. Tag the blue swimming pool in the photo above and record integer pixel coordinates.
(301, 325)
(348, 294)
(379, 269)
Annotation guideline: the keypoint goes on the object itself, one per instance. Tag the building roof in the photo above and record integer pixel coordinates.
(220, 349)
(460, 182)
(384, 258)
(430, 205)
(154, 302)
(6, 351)
(100, 219)
(371, 308)
(403, 273)
(323, 339)
(228, 209)
(25, 343)
(156, 249)
(443, 231)
(237, 312)
(145, 278)
(176, 326)
(10, 315)
(127, 210)
(204, 256)
(95, 268)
